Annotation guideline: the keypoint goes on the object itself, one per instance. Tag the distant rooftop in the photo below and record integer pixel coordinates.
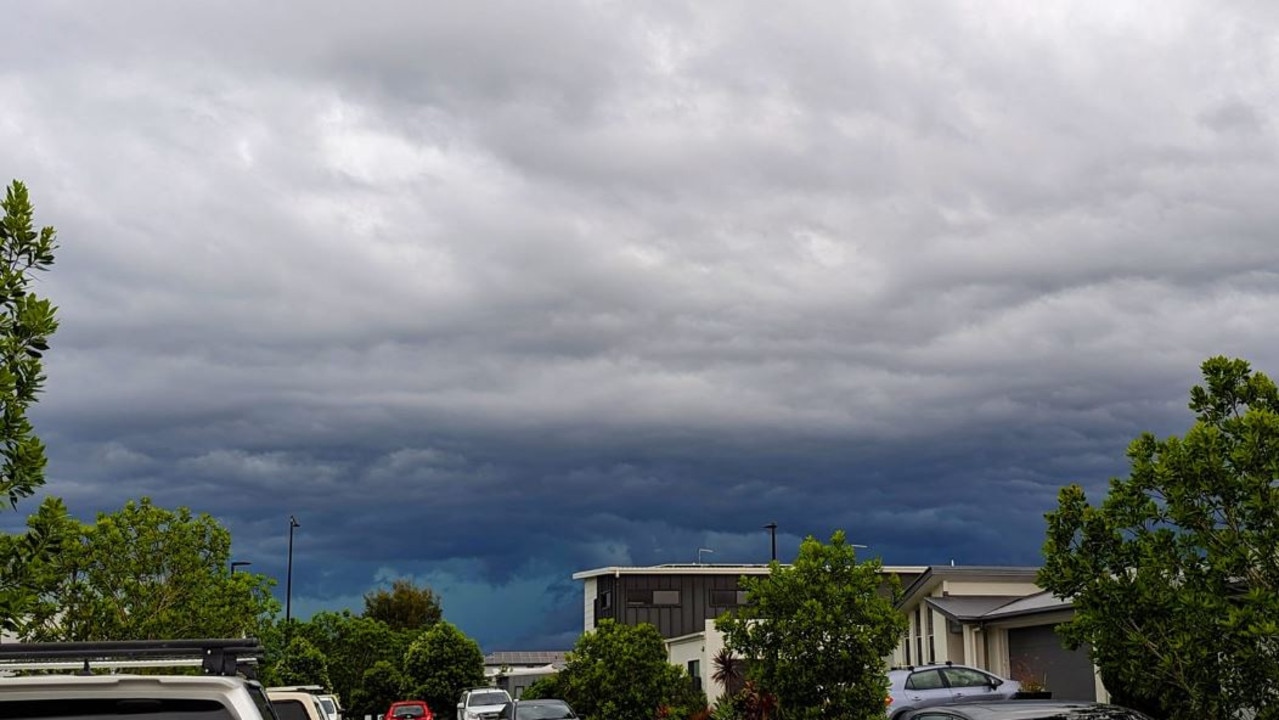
(526, 657)
(712, 569)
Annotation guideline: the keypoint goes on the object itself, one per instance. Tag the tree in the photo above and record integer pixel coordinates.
(302, 664)
(380, 685)
(26, 322)
(816, 633)
(1175, 576)
(440, 665)
(140, 573)
(353, 645)
(404, 607)
(544, 687)
(620, 672)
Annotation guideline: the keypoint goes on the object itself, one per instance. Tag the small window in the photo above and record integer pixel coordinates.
(606, 600)
(695, 672)
(728, 598)
(926, 680)
(639, 597)
(666, 597)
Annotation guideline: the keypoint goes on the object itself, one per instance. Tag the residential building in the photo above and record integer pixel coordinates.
(514, 671)
(990, 617)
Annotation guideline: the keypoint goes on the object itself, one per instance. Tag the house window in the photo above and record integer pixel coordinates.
(666, 597)
(695, 672)
(728, 598)
(932, 648)
(652, 597)
(606, 600)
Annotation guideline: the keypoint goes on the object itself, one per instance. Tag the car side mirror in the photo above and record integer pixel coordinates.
(995, 682)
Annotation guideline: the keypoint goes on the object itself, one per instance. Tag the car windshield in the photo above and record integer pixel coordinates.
(486, 698)
(542, 711)
(113, 708)
(329, 707)
(408, 711)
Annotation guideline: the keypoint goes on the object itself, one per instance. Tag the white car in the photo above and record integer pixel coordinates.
(482, 704)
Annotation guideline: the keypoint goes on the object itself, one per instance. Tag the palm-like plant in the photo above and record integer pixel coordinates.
(728, 671)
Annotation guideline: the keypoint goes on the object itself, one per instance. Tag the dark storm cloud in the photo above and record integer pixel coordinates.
(490, 293)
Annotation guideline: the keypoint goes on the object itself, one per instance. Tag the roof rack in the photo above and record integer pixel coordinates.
(215, 656)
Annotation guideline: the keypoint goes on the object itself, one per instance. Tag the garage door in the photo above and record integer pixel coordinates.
(1068, 673)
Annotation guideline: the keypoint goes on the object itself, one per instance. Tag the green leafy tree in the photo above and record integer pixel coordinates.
(26, 322)
(143, 572)
(544, 687)
(440, 665)
(621, 672)
(404, 606)
(1175, 575)
(380, 685)
(817, 632)
(352, 644)
(302, 664)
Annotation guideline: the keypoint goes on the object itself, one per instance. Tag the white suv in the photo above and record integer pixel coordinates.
(482, 703)
(222, 695)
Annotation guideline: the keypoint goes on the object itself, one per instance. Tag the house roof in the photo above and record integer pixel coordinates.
(526, 657)
(1039, 602)
(712, 569)
(969, 607)
(937, 573)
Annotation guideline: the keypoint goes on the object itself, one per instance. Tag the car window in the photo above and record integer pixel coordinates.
(966, 677)
(486, 698)
(409, 711)
(113, 708)
(543, 711)
(924, 680)
(290, 710)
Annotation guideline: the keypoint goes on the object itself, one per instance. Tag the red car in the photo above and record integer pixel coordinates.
(408, 710)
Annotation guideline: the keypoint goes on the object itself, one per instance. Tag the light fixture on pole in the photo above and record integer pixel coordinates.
(237, 564)
(699, 554)
(288, 578)
(772, 532)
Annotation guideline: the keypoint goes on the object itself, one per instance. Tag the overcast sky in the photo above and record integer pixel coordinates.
(487, 293)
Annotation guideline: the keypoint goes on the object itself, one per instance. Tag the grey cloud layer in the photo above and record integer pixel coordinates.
(564, 278)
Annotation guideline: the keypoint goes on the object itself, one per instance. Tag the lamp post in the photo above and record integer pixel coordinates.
(288, 577)
(238, 563)
(772, 532)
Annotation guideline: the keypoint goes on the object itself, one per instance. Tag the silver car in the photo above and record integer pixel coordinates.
(930, 685)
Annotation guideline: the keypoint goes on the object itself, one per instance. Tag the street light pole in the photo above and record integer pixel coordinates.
(288, 578)
(772, 532)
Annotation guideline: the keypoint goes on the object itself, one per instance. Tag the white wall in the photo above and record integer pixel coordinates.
(589, 612)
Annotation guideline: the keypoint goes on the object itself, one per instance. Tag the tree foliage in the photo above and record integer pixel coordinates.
(380, 685)
(621, 672)
(544, 687)
(143, 572)
(405, 606)
(302, 664)
(817, 632)
(26, 323)
(440, 665)
(353, 645)
(1175, 575)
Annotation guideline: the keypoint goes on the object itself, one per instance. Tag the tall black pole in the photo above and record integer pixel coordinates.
(772, 532)
(288, 578)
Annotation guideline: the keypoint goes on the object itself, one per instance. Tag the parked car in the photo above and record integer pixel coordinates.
(408, 710)
(929, 685)
(482, 703)
(328, 701)
(296, 705)
(1026, 710)
(537, 710)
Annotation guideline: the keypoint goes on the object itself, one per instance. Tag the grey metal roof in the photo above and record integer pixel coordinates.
(1039, 602)
(969, 607)
(525, 657)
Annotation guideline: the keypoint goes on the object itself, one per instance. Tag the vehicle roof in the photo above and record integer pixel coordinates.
(1026, 709)
(41, 681)
(934, 666)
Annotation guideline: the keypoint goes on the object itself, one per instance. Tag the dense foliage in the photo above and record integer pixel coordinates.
(440, 665)
(26, 323)
(302, 664)
(817, 633)
(405, 606)
(1175, 575)
(621, 672)
(143, 572)
(353, 645)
